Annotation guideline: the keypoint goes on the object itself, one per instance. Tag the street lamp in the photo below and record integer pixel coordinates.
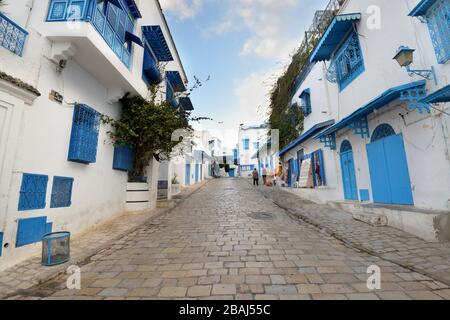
(405, 57)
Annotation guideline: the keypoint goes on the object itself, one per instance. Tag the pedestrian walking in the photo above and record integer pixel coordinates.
(264, 176)
(279, 174)
(255, 174)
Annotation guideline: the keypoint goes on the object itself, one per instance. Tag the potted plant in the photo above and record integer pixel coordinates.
(146, 125)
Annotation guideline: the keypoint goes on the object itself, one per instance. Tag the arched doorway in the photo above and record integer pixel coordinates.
(388, 167)
(348, 171)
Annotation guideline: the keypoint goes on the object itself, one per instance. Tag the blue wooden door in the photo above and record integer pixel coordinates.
(196, 172)
(348, 172)
(389, 172)
(187, 177)
(290, 173)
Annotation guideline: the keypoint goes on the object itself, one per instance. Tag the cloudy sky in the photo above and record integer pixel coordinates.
(242, 45)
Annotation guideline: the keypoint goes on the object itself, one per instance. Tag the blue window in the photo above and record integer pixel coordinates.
(62, 10)
(150, 70)
(246, 143)
(438, 18)
(33, 192)
(305, 104)
(61, 192)
(349, 61)
(84, 136)
(32, 230)
(123, 158)
(12, 37)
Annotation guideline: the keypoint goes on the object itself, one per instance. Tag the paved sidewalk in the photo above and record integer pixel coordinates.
(431, 259)
(227, 241)
(30, 272)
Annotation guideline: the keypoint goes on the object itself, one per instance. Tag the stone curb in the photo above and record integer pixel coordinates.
(348, 243)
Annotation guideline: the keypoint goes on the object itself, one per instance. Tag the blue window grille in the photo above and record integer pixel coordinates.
(32, 230)
(438, 18)
(84, 136)
(12, 37)
(348, 62)
(33, 192)
(123, 158)
(382, 131)
(305, 104)
(112, 19)
(246, 143)
(61, 192)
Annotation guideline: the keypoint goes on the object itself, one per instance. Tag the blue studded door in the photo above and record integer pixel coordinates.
(388, 167)
(348, 172)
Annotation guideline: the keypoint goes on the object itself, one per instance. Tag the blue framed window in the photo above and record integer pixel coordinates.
(305, 103)
(348, 61)
(84, 136)
(61, 192)
(33, 192)
(123, 158)
(62, 10)
(12, 37)
(438, 19)
(246, 143)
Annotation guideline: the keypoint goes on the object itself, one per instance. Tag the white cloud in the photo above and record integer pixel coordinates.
(268, 23)
(182, 9)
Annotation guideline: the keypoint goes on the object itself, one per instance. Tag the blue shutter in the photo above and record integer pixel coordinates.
(84, 135)
(33, 192)
(123, 158)
(61, 192)
(31, 230)
(322, 168)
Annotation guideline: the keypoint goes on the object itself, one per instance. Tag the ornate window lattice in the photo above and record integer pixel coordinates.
(348, 63)
(84, 136)
(382, 131)
(32, 192)
(413, 96)
(346, 146)
(438, 18)
(329, 141)
(61, 192)
(361, 127)
(12, 37)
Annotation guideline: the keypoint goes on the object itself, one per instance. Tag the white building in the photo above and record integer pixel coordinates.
(376, 138)
(63, 64)
(250, 138)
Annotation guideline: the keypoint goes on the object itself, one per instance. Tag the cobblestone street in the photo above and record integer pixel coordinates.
(228, 241)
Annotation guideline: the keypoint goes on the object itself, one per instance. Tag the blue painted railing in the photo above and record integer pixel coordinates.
(86, 10)
(12, 37)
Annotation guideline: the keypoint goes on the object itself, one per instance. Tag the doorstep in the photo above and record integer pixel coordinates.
(430, 225)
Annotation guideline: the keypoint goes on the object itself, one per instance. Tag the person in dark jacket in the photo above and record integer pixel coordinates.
(255, 175)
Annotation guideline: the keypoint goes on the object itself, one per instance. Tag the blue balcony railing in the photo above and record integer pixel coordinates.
(102, 25)
(86, 10)
(12, 37)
